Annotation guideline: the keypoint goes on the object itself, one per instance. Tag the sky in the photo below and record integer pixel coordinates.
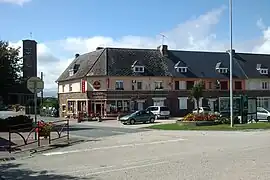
(63, 28)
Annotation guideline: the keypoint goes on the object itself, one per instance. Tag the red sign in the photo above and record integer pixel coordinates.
(83, 86)
(96, 85)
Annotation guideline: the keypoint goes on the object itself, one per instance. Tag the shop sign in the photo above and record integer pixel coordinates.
(96, 85)
(98, 95)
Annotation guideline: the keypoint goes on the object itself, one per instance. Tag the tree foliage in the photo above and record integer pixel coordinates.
(10, 67)
(197, 93)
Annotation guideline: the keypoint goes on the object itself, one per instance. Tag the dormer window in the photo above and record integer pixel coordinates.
(71, 72)
(262, 69)
(139, 69)
(222, 70)
(181, 69)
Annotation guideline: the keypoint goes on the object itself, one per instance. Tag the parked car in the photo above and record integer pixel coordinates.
(160, 111)
(263, 114)
(203, 110)
(138, 116)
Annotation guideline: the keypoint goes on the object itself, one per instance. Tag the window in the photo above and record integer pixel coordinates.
(152, 109)
(182, 85)
(224, 85)
(158, 85)
(176, 85)
(264, 71)
(139, 85)
(164, 108)
(190, 84)
(158, 102)
(238, 85)
(139, 69)
(210, 86)
(63, 88)
(119, 85)
(223, 70)
(71, 106)
(182, 102)
(264, 85)
(182, 69)
(70, 87)
(71, 72)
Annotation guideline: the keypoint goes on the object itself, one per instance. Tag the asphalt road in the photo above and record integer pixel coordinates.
(153, 155)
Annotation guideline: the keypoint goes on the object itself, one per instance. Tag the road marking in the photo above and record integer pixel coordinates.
(123, 169)
(112, 147)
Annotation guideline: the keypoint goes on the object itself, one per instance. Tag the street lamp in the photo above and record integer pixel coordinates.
(231, 59)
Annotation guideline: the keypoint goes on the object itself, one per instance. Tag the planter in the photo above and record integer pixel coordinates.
(197, 123)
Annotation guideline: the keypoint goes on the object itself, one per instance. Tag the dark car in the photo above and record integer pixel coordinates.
(138, 116)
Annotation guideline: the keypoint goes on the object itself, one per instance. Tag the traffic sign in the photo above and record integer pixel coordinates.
(35, 84)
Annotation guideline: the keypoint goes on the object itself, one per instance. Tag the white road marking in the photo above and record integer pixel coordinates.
(123, 169)
(112, 147)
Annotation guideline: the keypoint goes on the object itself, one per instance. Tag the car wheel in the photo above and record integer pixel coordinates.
(268, 118)
(152, 120)
(132, 121)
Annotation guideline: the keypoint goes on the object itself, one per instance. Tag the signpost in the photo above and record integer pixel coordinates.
(35, 85)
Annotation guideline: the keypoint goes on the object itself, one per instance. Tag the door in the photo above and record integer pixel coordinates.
(211, 105)
(98, 108)
(143, 116)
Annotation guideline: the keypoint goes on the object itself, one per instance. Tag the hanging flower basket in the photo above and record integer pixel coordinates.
(44, 129)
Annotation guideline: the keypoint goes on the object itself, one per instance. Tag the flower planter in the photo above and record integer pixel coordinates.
(197, 123)
(44, 134)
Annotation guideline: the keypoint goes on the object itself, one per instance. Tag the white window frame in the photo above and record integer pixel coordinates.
(223, 70)
(159, 101)
(264, 71)
(183, 101)
(182, 69)
(118, 83)
(182, 85)
(264, 85)
(71, 72)
(139, 69)
(158, 86)
(70, 88)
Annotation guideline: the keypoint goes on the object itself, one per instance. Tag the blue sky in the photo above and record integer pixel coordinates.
(65, 27)
(58, 19)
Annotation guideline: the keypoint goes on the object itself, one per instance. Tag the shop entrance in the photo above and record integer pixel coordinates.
(98, 107)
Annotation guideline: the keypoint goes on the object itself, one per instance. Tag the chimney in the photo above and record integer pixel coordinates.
(98, 48)
(77, 55)
(163, 50)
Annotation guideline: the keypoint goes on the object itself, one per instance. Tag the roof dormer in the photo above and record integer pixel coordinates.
(221, 68)
(181, 67)
(137, 67)
(262, 69)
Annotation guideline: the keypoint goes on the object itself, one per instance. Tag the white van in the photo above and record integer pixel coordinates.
(160, 111)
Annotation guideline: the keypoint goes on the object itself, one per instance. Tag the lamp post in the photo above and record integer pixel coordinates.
(231, 59)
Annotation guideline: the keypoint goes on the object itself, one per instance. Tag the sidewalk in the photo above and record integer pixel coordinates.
(32, 145)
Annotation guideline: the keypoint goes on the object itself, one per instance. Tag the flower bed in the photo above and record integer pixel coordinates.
(199, 120)
(44, 129)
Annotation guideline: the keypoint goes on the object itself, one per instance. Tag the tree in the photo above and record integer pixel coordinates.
(10, 68)
(197, 93)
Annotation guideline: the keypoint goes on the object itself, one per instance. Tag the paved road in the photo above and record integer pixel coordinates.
(90, 131)
(153, 155)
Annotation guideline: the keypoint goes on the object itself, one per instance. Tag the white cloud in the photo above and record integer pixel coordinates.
(194, 34)
(17, 2)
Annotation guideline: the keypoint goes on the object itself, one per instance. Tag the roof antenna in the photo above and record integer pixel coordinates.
(31, 35)
(163, 37)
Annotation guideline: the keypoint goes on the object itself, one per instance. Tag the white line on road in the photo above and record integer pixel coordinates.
(123, 169)
(112, 147)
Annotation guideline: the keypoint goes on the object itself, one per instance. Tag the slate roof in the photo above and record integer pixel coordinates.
(119, 61)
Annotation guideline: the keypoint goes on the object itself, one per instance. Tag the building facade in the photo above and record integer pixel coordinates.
(118, 80)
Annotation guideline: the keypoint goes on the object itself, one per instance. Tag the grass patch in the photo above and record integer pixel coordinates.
(221, 127)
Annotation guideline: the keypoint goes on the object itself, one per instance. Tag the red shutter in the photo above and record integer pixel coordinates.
(83, 86)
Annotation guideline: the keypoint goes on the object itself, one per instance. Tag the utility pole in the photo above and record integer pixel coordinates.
(163, 37)
(41, 77)
(231, 61)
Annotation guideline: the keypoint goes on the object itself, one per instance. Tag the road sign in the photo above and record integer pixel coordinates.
(35, 84)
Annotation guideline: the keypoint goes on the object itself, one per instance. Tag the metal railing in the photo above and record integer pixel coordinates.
(25, 133)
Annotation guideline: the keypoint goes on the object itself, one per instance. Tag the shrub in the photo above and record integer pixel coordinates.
(200, 117)
(227, 120)
(15, 123)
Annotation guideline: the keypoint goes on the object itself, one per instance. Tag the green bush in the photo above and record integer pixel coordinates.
(16, 123)
(227, 120)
